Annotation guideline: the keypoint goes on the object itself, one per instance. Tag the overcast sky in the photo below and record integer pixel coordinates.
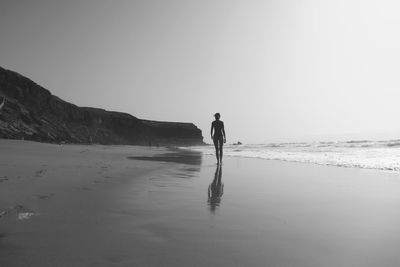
(281, 70)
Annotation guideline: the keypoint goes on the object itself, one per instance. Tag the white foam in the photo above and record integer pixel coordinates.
(383, 155)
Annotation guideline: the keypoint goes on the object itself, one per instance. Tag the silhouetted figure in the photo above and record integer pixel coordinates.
(218, 136)
(216, 189)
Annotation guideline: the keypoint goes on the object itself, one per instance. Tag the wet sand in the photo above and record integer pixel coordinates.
(76, 205)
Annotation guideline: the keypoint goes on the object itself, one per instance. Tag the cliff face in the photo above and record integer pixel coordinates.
(33, 113)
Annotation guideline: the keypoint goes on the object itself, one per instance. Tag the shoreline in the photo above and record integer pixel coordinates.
(395, 169)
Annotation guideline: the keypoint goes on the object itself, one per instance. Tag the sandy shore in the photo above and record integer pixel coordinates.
(75, 205)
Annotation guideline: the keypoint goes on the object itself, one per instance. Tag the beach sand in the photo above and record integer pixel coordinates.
(76, 205)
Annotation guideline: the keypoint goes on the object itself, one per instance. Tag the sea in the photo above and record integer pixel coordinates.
(365, 154)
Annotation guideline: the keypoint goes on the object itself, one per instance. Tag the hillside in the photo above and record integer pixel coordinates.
(31, 112)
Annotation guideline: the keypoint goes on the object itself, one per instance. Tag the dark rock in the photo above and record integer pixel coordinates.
(31, 112)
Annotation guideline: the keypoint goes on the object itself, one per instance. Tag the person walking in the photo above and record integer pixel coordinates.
(218, 136)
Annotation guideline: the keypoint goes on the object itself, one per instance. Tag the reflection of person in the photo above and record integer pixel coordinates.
(215, 189)
(218, 136)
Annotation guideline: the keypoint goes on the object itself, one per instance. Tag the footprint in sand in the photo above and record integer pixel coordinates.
(10, 210)
(102, 165)
(83, 188)
(43, 197)
(40, 173)
(21, 212)
(102, 181)
(3, 179)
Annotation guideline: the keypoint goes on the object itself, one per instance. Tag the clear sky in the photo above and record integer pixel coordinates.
(278, 70)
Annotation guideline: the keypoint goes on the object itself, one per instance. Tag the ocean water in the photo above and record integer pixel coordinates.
(382, 155)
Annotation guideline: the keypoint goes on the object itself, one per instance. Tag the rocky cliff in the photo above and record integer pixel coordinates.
(33, 113)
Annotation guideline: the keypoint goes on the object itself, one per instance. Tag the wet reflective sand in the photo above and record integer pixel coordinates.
(159, 210)
(268, 213)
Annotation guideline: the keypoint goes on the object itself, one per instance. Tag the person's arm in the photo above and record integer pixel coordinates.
(223, 131)
(212, 129)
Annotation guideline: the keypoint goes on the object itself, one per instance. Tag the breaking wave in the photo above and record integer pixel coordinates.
(382, 155)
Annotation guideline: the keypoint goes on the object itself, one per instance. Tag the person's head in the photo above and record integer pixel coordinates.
(217, 116)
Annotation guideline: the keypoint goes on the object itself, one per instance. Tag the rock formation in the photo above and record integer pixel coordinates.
(31, 112)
